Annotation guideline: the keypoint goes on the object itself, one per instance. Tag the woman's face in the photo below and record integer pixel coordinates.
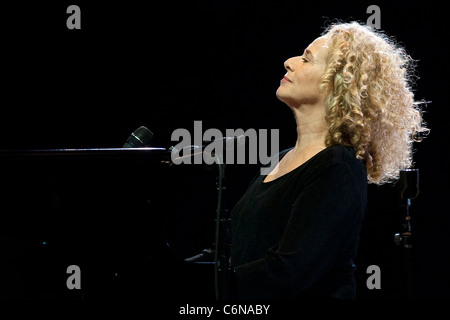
(300, 85)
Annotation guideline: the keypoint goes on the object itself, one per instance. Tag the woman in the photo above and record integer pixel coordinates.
(295, 231)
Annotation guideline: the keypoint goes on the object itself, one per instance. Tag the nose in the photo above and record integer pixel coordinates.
(289, 64)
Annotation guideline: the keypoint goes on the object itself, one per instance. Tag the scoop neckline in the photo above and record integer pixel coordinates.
(295, 169)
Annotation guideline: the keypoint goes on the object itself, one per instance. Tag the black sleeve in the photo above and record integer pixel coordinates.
(322, 219)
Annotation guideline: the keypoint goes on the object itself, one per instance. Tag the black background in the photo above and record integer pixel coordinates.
(165, 65)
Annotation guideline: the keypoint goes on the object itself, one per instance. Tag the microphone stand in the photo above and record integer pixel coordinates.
(222, 254)
(409, 183)
(223, 274)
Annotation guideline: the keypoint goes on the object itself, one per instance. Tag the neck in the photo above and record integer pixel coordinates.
(311, 128)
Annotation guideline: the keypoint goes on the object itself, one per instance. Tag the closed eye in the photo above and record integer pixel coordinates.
(304, 60)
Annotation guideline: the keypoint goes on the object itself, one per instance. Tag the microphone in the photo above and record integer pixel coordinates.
(139, 138)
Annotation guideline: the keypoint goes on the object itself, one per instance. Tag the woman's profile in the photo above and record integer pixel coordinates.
(296, 230)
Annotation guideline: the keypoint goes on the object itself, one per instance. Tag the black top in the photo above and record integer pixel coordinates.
(296, 236)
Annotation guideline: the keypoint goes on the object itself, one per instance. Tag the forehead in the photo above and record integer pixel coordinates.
(318, 47)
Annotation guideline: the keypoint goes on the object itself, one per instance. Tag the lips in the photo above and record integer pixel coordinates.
(285, 79)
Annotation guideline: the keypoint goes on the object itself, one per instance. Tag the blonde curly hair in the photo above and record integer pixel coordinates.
(370, 102)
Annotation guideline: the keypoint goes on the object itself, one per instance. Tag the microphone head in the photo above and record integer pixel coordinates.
(139, 138)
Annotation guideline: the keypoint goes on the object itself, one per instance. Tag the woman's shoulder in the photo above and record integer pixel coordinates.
(339, 155)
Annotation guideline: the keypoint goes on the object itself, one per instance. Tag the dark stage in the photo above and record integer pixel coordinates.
(129, 222)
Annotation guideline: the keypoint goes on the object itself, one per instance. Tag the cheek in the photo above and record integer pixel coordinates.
(310, 79)
(306, 82)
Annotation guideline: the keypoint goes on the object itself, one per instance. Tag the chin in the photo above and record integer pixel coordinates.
(279, 94)
(282, 96)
